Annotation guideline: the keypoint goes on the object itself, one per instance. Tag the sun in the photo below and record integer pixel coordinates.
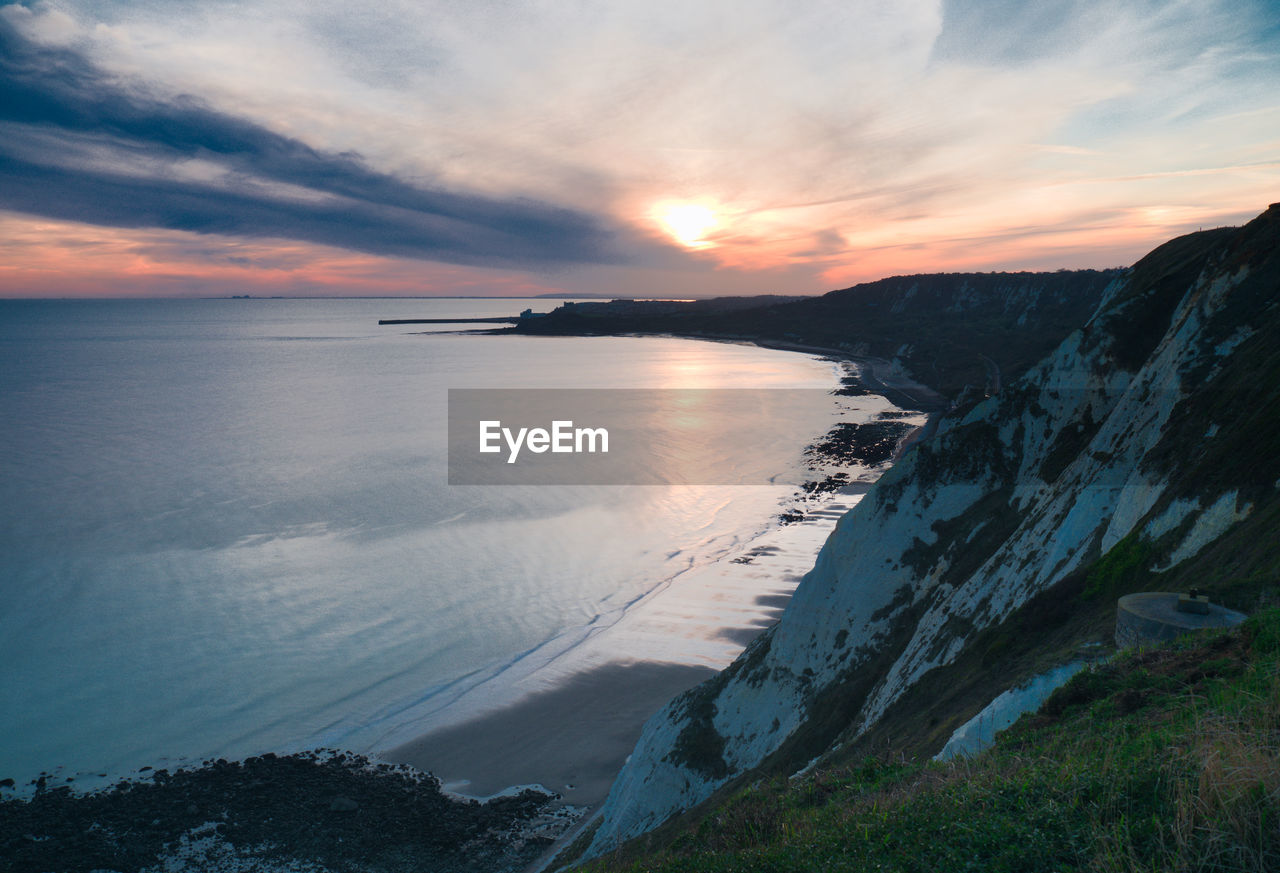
(687, 223)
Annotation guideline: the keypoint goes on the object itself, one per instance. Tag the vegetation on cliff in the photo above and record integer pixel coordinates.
(1162, 759)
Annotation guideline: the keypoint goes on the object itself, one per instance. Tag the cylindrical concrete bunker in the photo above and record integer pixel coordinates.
(1153, 616)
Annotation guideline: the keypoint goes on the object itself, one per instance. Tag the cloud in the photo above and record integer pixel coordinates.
(79, 146)
(836, 137)
(46, 257)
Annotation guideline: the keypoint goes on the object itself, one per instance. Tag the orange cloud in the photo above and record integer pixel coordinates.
(39, 257)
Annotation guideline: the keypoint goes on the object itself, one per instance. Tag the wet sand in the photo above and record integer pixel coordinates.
(573, 739)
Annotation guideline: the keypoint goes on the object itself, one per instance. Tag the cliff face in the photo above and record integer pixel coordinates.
(1139, 447)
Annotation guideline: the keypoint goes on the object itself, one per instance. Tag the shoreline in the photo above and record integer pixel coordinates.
(572, 727)
(875, 376)
(873, 373)
(573, 736)
(897, 388)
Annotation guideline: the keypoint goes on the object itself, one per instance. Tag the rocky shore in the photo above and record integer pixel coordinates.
(313, 812)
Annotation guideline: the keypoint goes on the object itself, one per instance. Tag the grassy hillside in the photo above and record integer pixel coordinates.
(1167, 759)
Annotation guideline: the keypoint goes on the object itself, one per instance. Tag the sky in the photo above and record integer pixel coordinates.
(629, 148)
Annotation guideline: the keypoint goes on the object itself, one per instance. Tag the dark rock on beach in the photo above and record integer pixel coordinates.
(313, 811)
(867, 444)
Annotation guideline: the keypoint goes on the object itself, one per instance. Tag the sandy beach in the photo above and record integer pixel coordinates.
(578, 719)
(571, 739)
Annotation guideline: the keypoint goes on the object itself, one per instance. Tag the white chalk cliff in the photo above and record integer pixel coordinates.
(1135, 439)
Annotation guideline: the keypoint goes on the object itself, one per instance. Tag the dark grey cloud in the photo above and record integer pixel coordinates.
(58, 110)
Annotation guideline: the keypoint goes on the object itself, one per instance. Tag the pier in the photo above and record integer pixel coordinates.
(506, 320)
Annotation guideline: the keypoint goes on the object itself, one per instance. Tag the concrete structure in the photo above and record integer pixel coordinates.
(1153, 616)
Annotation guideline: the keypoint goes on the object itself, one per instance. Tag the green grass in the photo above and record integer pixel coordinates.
(1127, 562)
(1163, 760)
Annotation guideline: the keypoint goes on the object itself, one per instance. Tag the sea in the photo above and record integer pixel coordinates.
(226, 528)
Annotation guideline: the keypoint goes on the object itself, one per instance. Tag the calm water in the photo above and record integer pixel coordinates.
(225, 525)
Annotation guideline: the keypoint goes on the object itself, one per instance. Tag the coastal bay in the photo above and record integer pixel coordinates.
(561, 712)
(166, 524)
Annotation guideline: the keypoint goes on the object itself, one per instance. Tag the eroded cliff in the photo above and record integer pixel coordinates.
(1141, 452)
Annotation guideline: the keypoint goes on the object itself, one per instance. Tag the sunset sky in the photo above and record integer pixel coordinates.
(634, 147)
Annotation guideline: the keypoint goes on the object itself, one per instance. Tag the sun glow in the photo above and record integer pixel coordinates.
(687, 223)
